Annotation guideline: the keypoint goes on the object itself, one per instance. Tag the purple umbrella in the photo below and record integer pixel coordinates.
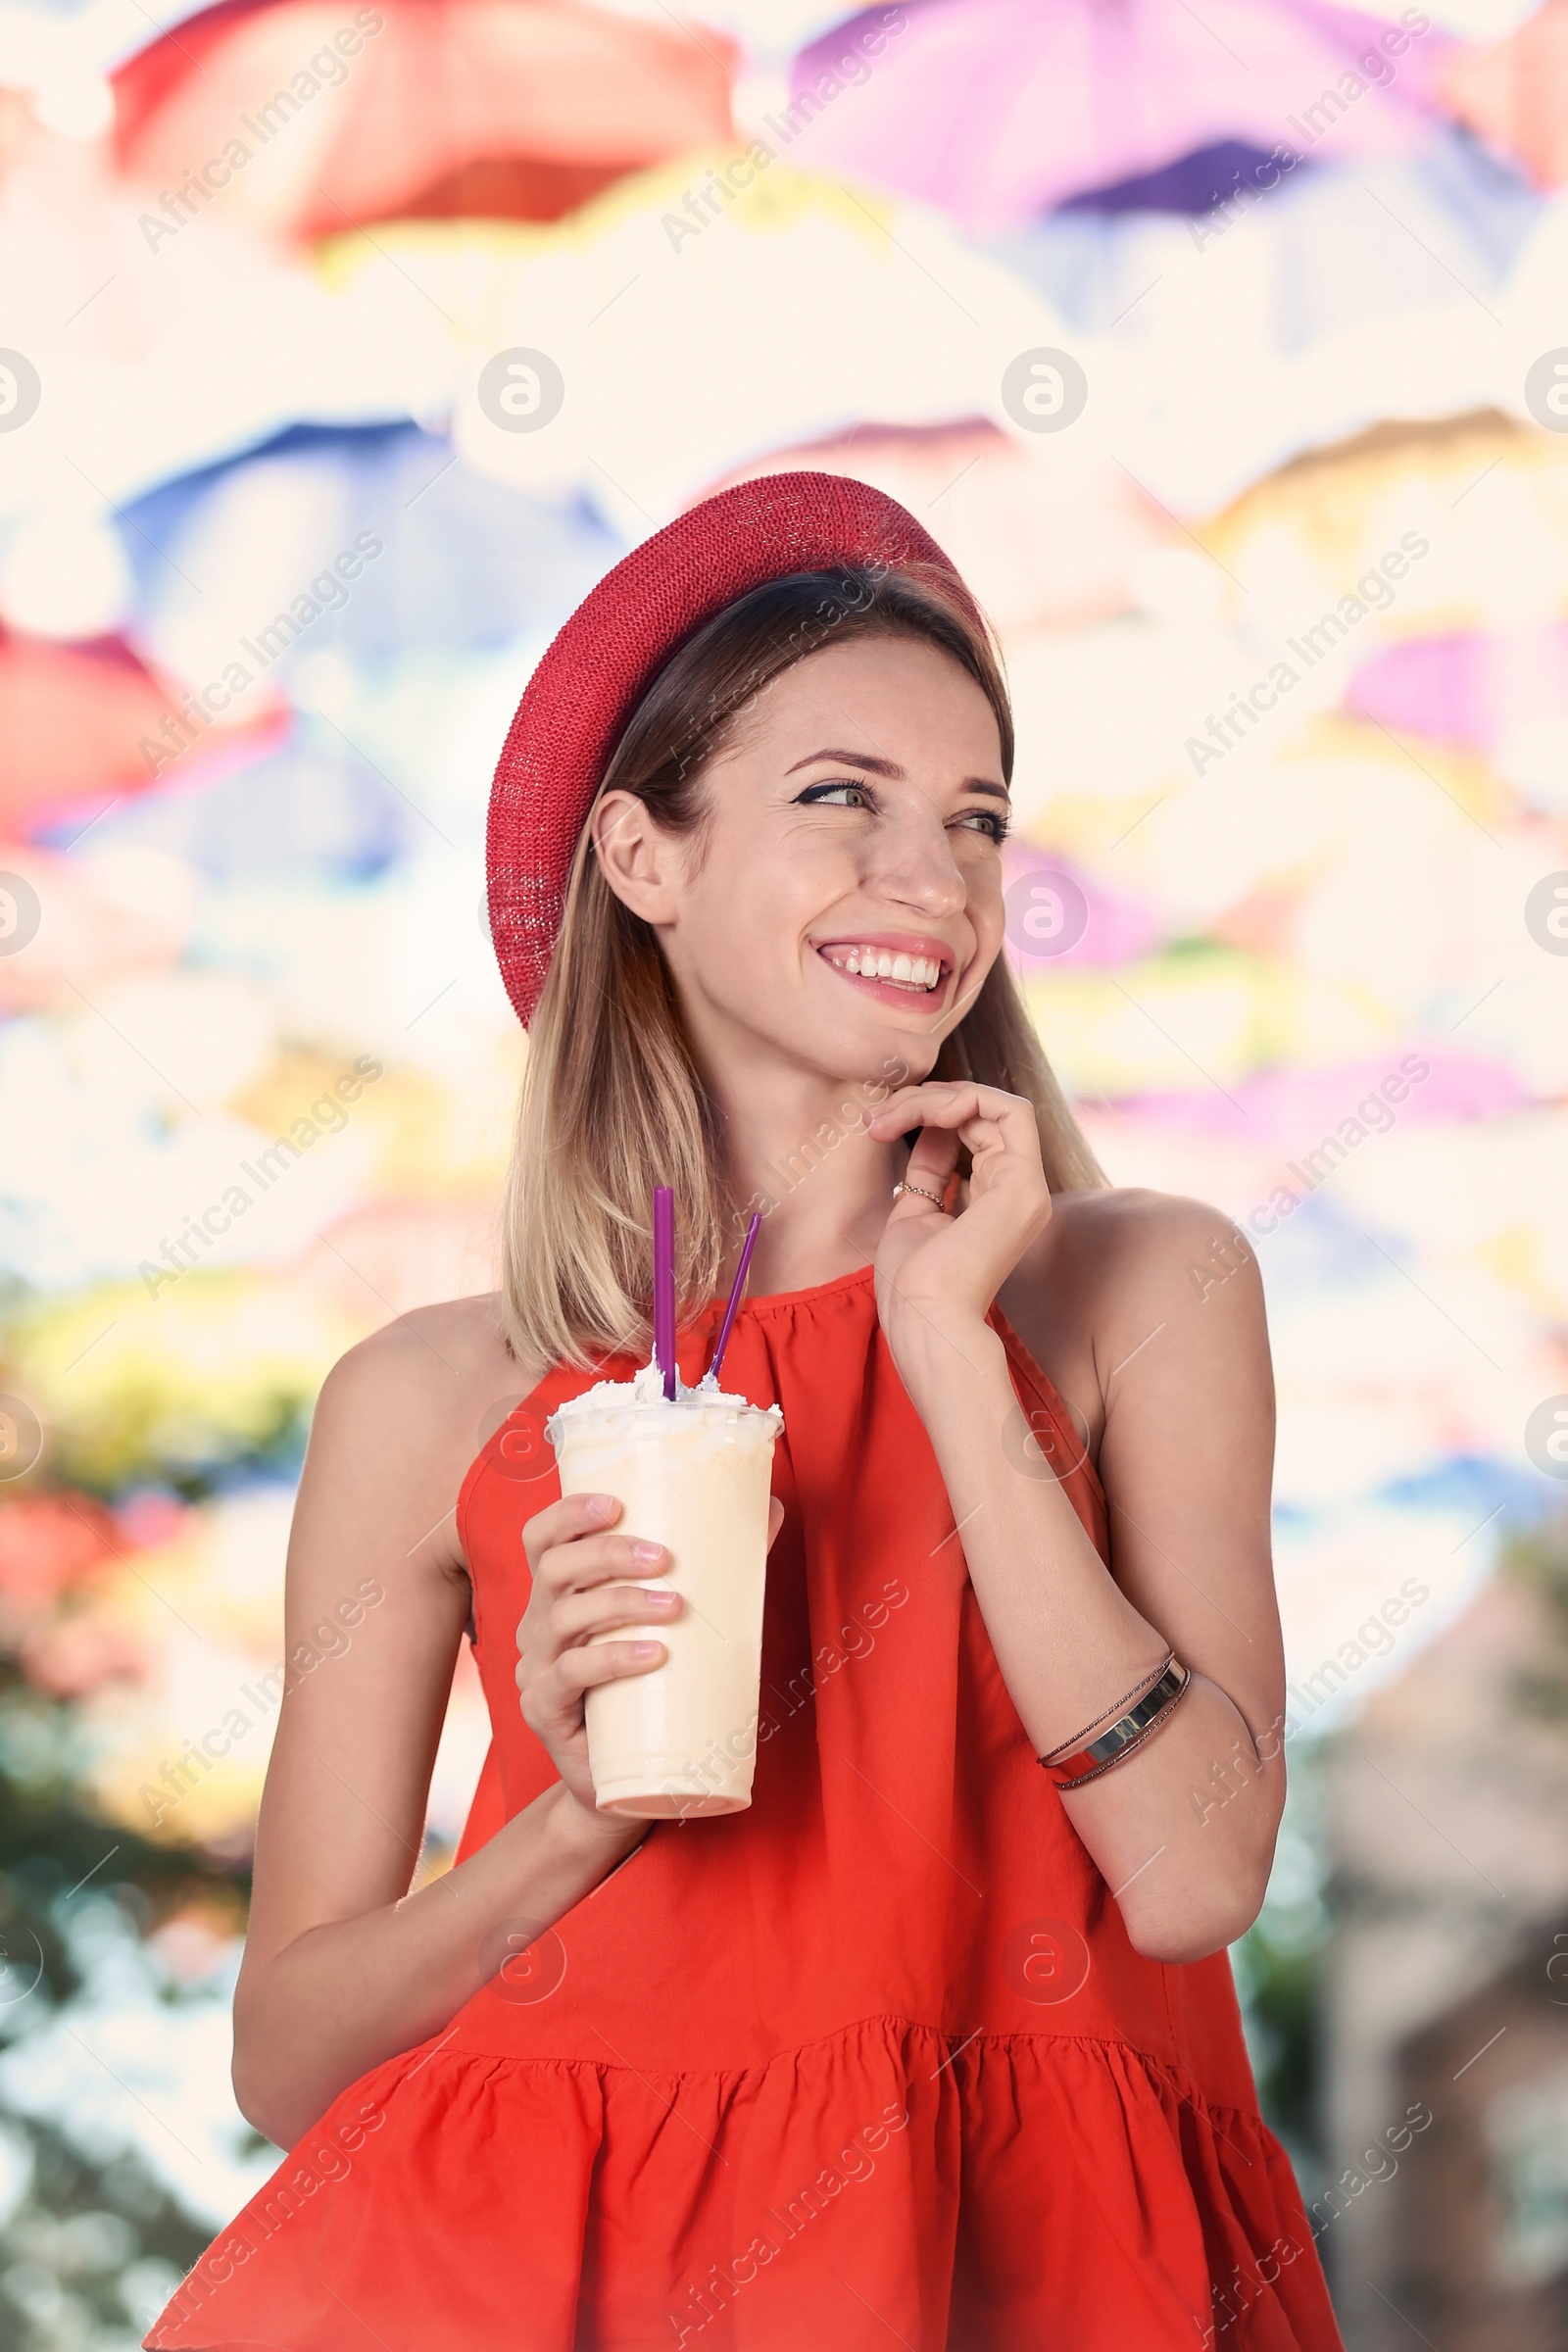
(996, 110)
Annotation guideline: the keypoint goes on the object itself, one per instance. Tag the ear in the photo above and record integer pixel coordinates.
(640, 863)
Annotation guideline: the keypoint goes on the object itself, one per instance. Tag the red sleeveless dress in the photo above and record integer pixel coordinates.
(871, 2061)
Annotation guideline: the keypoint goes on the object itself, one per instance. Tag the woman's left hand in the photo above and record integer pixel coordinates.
(943, 1271)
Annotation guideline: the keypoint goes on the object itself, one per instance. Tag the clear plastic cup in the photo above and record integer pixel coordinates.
(696, 1475)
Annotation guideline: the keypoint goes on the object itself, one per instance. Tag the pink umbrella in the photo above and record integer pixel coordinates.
(996, 110)
(1043, 545)
(1290, 1110)
(1515, 93)
(1467, 690)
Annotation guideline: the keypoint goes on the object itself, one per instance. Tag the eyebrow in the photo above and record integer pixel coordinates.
(891, 769)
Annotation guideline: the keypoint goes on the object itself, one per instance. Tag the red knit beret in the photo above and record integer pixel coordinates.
(599, 667)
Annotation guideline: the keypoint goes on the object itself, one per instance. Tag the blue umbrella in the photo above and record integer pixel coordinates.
(1344, 244)
(366, 543)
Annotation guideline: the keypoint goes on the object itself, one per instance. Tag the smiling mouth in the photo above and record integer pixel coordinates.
(918, 975)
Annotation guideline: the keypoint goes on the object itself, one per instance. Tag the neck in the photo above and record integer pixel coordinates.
(798, 1152)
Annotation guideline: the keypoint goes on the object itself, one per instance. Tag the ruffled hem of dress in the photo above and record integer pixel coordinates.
(974, 2195)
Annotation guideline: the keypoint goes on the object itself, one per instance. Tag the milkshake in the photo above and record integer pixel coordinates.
(692, 1474)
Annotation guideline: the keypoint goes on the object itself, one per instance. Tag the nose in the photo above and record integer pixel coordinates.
(913, 865)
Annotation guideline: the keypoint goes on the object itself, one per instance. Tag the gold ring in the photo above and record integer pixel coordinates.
(907, 1187)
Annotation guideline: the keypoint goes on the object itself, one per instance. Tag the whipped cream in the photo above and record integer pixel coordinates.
(645, 1391)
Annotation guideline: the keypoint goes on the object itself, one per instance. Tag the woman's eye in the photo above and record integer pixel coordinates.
(988, 822)
(824, 795)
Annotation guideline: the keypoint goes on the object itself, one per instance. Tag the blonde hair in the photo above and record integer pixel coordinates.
(612, 1101)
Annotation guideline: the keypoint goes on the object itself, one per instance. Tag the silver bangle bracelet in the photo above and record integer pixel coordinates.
(1111, 1747)
(1144, 1684)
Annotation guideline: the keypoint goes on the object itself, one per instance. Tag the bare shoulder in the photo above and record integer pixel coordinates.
(406, 1409)
(1122, 1267)
(1130, 1255)
(1116, 1234)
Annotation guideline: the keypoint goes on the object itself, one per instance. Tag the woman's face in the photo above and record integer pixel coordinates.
(845, 904)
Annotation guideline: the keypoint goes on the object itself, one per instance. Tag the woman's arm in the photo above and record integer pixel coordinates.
(343, 1966)
(1183, 1832)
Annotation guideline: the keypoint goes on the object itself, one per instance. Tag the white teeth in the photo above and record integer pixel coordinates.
(881, 964)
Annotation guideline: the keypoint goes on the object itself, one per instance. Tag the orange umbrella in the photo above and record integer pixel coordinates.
(1515, 93)
(308, 116)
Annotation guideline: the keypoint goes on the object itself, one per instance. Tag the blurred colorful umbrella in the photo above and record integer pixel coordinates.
(74, 720)
(98, 915)
(1477, 504)
(996, 109)
(1288, 258)
(314, 120)
(1041, 547)
(1515, 93)
(371, 544)
(699, 318)
(152, 359)
(1505, 694)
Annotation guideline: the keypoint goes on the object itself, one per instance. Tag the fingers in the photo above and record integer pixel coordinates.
(573, 1515)
(548, 1671)
(586, 1560)
(776, 1518)
(596, 1663)
(577, 1616)
(932, 1161)
(947, 1102)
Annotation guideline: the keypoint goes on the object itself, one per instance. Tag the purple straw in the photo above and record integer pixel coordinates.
(736, 1287)
(664, 1285)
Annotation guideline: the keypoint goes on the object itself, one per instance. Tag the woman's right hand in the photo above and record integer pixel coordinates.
(583, 1585)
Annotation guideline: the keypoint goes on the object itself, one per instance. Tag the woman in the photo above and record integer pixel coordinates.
(929, 2041)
